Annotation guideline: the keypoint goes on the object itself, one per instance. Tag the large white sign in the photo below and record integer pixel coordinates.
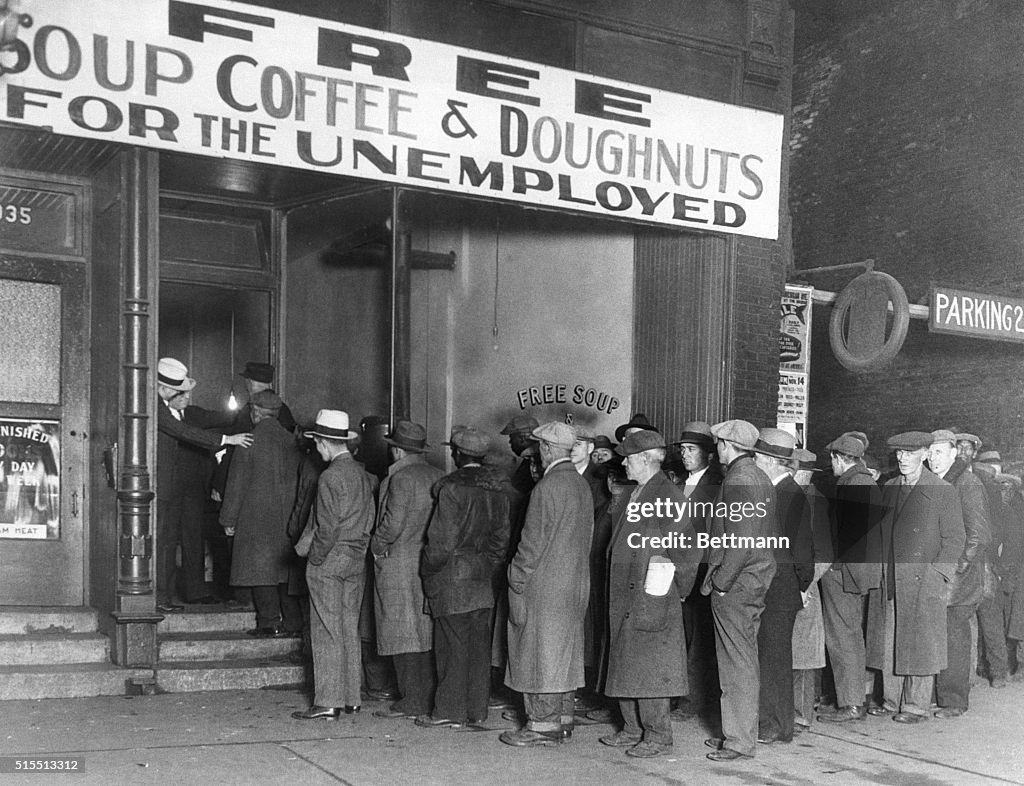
(220, 78)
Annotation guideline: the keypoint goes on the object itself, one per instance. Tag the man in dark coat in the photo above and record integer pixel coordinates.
(180, 492)
(257, 502)
(922, 532)
(404, 629)
(548, 588)
(653, 535)
(467, 540)
(342, 520)
(856, 569)
(703, 477)
(794, 572)
(1009, 568)
(953, 684)
(738, 578)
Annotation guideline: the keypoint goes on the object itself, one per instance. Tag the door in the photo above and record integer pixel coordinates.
(44, 405)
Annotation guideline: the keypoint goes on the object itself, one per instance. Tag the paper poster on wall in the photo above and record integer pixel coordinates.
(794, 359)
(29, 479)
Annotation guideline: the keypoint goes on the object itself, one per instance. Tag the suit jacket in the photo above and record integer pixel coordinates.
(968, 583)
(342, 518)
(749, 569)
(794, 570)
(647, 647)
(180, 447)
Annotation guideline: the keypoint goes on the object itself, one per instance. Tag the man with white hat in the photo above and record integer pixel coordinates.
(180, 501)
(342, 519)
(737, 581)
(548, 589)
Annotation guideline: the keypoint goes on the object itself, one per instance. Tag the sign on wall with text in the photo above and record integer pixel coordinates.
(29, 478)
(975, 314)
(238, 81)
(794, 359)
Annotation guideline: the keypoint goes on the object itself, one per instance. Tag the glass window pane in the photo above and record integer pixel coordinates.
(29, 342)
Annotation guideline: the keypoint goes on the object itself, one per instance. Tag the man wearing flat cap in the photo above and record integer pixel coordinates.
(257, 502)
(967, 446)
(952, 685)
(185, 446)
(404, 631)
(737, 581)
(341, 522)
(548, 590)
(856, 569)
(794, 572)
(922, 530)
(646, 646)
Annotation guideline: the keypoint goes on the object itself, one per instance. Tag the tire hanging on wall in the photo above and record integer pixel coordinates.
(849, 357)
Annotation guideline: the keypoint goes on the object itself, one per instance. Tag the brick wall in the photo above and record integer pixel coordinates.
(906, 148)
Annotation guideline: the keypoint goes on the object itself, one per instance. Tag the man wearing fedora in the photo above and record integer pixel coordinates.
(467, 543)
(794, 572)
(700, 486)
(548, 589)
(341, 521)
(180, 492)
(404, 630)
(856, 569)
(257, 502)
(646, 646)
(737, 581)
(922, 530)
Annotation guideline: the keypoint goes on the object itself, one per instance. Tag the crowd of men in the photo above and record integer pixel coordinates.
(631, 583)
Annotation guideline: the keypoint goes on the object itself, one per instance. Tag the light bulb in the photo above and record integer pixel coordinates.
(232, 402)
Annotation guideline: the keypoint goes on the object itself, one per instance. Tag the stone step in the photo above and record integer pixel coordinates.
(222, 646)
(246, 674)
(53, 648)
(198, 620)
(16, 620)
(67, 681)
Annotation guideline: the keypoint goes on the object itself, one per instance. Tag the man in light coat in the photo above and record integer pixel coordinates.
(647, 648)
(404, 629)
(341, 521)
(257, 501)
(922, 538)
(548, 590)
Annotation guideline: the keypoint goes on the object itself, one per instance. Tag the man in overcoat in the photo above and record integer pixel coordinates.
(467, 541)
(794, 572)
(737, 581)
(856, 569)
(922, 539)
(548, 589)
(953, 683)
(257, 502)
(342, 520)
(404, 629)
(646, 641)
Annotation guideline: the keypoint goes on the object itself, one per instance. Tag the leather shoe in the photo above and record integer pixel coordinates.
(266, 632)
(727, 754)
(945, 713)
(512, 715)
(648, 750)
(385, 694)
(843, 714)
(714, 742)
(619, 740)
(391, 713)
(317, 713)
(908, 717)
(879, 710)
(528, 738)
(429, 722)
(351, 709)
(168, 608)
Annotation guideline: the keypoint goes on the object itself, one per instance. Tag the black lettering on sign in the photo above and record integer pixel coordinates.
(476, 77)
(611, 103)
(188, 20)
(338, 49)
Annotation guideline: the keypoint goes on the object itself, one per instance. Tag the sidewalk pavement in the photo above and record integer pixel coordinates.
(247, 737)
